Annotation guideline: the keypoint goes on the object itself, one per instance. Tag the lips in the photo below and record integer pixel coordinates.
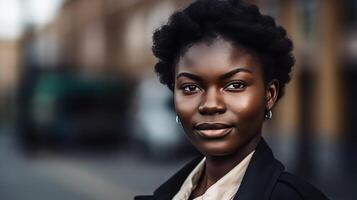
(213, 130)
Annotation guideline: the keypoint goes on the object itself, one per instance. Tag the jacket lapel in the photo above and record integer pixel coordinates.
(262, 173)
(169, 189)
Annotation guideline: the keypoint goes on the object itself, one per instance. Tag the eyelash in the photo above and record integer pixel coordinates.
(241, 86)
(187, 86)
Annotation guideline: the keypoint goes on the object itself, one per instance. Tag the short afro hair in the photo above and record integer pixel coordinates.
(234, 20)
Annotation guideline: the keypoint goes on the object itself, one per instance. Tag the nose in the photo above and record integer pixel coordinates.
(212, 103)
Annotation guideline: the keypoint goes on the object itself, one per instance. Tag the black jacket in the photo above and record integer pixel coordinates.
(264, 179)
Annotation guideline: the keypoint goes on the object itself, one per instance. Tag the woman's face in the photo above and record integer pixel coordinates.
(220, 97)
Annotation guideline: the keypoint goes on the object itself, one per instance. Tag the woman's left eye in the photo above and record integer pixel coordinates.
(235, 86)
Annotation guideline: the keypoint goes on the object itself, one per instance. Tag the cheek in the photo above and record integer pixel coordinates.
(247, 107)
(185, 106)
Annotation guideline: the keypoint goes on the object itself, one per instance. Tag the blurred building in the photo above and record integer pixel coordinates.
(9, 56)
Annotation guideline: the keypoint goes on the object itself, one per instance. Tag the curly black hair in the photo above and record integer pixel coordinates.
(234, 20)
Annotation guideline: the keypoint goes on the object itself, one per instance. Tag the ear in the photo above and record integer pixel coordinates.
(272, 91)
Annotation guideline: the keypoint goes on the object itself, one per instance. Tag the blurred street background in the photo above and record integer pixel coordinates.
(83, 116)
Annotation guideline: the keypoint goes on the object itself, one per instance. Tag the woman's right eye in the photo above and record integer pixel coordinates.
(190, 89)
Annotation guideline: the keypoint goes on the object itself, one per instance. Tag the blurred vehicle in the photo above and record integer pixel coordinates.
(68, 110)
(155, 130)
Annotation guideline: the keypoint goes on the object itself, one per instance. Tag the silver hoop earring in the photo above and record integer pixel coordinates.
(268, 114)
(178, 120)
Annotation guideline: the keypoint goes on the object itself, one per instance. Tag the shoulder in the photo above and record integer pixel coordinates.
(292, 187)
(168, 189)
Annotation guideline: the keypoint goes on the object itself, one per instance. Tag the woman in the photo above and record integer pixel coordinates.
(227, 65)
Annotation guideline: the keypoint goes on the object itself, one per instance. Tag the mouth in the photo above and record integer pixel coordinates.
(213, 130)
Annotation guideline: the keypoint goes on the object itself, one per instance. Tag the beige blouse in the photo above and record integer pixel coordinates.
(224, 189)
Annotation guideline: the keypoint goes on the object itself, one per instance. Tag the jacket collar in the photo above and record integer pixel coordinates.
(262, 173)
(169, 189)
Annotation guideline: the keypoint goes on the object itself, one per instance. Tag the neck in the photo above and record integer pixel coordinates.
(218, 166)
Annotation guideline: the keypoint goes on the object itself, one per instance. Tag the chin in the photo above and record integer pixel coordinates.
(215, 149)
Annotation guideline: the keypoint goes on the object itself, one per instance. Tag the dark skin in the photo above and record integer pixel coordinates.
(221, 98)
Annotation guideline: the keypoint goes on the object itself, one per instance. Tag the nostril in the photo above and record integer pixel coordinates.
(212, 103)
(212, 109)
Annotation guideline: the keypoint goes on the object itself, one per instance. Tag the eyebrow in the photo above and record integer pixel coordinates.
(189, 75)
(222, 77)
(233, 72)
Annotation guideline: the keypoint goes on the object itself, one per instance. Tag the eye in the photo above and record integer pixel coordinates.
(235, 86)
(189, 89)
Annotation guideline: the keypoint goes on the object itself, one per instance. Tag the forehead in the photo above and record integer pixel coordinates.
(216, 57)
